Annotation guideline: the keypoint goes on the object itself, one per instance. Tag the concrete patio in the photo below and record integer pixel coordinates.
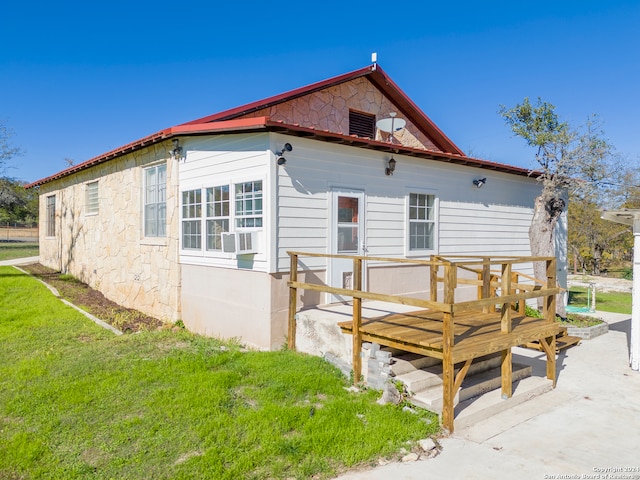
(588, 426)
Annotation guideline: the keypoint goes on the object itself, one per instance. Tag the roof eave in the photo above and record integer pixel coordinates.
(326, 135)
(254, 124)
(235, 126)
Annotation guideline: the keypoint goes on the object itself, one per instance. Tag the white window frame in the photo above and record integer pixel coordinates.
(251, 215)
(217, 214)
(50, 205)
(92, 198)
(232, 217)
(154, 196)
(191, 215)
(409, 252)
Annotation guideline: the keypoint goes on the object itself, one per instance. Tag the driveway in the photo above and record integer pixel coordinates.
(588, 426)
(20, 261)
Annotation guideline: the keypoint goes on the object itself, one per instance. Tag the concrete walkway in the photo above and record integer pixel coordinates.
(19, 261)
(588, 424)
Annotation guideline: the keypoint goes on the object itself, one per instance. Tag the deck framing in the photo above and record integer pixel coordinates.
(451, 331)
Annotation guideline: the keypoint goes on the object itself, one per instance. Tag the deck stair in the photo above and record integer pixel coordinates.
(422, 377)
(563, 340)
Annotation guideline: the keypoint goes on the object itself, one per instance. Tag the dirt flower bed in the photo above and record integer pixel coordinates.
(582, 321)
(124, 319)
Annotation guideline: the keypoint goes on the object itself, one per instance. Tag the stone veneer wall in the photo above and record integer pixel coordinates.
(328, 109)
(107, 250)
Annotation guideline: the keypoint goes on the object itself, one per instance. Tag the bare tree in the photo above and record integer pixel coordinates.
(8, 197)
(7, 150)
(569, 160)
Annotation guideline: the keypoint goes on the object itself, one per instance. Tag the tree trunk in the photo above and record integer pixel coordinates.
(542, 242)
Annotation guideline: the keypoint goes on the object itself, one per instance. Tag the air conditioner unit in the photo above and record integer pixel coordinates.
(229, 242)
(240, 243)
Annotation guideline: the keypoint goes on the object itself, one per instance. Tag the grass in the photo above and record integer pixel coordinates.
(572, 319)
(77, 402)
(616, 302)
(11, 250)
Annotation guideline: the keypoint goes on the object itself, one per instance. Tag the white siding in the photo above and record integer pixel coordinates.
(491, 220)
(226, 160)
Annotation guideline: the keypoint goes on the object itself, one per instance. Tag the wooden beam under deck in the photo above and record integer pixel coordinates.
(476, 333)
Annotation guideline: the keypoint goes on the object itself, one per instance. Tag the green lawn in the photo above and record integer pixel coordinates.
(77, 402)
(11, 250)
(616, 302)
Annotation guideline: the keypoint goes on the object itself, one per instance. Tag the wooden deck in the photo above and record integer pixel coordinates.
(475, 333)
(453, 331)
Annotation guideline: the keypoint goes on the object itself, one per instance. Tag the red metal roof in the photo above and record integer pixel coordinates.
(375, 75)
(228, 122)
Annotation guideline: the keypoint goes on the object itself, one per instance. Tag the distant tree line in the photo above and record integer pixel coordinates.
(17, 205)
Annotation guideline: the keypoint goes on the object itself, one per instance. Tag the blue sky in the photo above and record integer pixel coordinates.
(80, 78)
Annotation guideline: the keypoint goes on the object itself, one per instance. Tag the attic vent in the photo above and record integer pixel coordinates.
(362, 124)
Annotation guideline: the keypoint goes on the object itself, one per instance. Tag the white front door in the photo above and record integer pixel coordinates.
(347, 238)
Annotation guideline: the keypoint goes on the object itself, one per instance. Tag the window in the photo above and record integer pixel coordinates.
(155, 201)
(191, 219)
(51, 216)
(217, 216)
(248, 204)
(348, 226)
(91, 201)
(362, 124)
(422, 222)
(208, 213)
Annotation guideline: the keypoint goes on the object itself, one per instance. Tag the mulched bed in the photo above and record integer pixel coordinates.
(124, 319)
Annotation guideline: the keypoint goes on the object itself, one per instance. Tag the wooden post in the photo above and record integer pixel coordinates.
(293, 297)
(485, 277)
(522, 304)
(506, 327)
(550, 316)
(492, 290)
(448, 391)
(433, 280)
(550, 300)
(357, 321)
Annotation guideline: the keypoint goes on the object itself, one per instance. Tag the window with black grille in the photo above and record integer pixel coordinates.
(362, 124)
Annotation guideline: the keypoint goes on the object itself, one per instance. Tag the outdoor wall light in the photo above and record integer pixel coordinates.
(391, 166)
(285, 148)
(479, 182)
(176, 152)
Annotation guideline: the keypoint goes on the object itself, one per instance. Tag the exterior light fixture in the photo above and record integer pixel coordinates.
(176, 151)
(479, 182)
(391, 166)
(285, 148)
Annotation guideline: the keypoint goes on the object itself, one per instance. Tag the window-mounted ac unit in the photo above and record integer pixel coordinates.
(240, 243)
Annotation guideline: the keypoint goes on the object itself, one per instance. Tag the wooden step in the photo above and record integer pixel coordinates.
(562, 341)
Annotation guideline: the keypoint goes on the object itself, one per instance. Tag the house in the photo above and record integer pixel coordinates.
(195, 221)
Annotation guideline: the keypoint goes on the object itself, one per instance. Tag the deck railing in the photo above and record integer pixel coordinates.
(498, 286)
